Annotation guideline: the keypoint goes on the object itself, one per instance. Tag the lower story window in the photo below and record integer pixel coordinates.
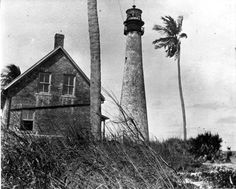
(27, 120)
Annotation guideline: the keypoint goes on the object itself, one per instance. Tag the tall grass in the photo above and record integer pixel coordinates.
(30, 162)
(76, 162)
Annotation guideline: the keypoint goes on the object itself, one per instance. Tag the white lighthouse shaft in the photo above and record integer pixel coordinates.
(133, 98)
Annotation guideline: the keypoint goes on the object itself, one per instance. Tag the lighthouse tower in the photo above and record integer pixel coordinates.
(133, 98)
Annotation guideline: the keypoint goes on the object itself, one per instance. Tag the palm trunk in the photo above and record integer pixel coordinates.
(95, 79)
(181, 97)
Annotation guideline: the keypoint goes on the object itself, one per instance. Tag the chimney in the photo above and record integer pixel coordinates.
(59, 40)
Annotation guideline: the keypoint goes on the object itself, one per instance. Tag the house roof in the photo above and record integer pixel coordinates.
(37, 64)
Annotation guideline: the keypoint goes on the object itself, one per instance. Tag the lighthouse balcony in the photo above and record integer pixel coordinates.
(131, 28)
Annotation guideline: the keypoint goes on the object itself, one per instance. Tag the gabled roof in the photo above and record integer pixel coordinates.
(37, 64)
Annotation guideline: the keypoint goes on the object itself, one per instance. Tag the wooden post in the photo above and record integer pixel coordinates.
(6, 113)
(103, 132)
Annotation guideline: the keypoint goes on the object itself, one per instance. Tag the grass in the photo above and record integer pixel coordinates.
(76, 162)
(33, 162)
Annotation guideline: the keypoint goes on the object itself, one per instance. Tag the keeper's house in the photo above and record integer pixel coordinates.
(50, 97)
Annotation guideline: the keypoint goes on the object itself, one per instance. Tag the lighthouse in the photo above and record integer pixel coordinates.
(133, 98)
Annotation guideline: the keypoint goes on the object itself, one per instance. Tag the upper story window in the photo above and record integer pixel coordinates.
(68, 85)
(44, 82)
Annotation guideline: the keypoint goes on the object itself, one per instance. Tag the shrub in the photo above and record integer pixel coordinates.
(175, 152)
(205, 144)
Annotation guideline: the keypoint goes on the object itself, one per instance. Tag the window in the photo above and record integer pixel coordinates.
(27, 120)
(44, 82)
(68, 85)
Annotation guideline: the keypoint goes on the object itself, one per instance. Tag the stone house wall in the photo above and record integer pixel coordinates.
(53, 112)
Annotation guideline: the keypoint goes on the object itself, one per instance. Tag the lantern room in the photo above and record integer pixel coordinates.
(133, 21)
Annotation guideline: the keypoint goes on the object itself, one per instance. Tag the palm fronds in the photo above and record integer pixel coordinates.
(9, 74)
(179, 23)
(171, 25)
(171, 41)
(162, 29)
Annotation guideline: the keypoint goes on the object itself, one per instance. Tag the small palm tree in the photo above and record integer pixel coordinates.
(9, 74)
(171, 42)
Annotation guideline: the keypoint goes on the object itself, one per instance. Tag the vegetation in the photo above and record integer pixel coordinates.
(30, 161)
(205, 144)
(175, 152)
(8, 75)
(70, 162)
(221, 177)
(171, 42)
(118, 161)
(217, 177)
(33, 162)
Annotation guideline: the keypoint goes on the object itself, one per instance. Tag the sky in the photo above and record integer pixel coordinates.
(208, 56)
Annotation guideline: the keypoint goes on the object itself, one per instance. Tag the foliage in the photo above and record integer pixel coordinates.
(29, 162)
(221, 177)
(205, 144)
(42, 162)
(9, 74)
(175, 152)
(172, 31)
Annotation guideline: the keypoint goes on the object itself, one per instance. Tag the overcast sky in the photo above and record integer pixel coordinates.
(208, 56)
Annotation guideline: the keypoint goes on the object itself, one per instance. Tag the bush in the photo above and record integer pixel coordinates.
(175, 152)
(205, 144)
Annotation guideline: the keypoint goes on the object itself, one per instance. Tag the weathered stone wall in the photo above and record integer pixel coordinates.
(25, 95)
(59, 121)
(133, 97)
(29, 96)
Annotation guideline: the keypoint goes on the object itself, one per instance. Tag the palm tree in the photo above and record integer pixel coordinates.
(7, 76)
(171, 42)
(95, 79)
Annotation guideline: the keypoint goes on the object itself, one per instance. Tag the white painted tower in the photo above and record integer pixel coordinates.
(133, 98)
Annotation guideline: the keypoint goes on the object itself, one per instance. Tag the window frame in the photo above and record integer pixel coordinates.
(67, 86)
(43, 83)
(28, 119)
